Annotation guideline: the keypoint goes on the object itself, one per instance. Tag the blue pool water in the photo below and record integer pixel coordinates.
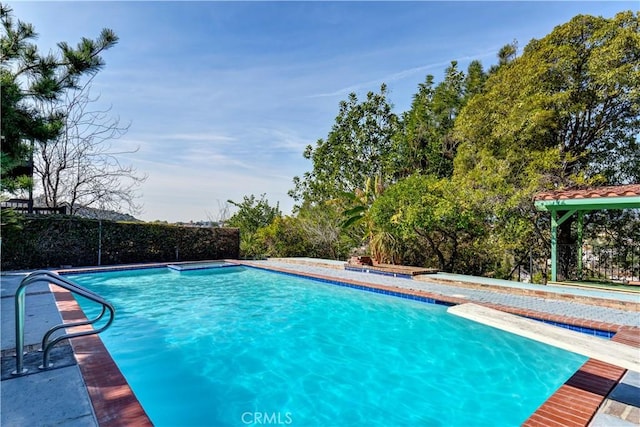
(240, 346)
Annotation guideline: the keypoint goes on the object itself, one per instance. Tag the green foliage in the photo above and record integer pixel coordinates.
(460, 168)
(433, 211)
(252, 215)
(563, 114)
(27, 76)
(285, 237)
(359, 202)
(10, 220)
(572, 98)
(314, 232)
(53, 241)
(425, 141)
(359, 146)
(473, 150)
(386, 248)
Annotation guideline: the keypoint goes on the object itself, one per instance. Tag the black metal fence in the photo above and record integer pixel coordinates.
(607, 263)
(619, 263)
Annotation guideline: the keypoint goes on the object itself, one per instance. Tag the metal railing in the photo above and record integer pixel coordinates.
(47, 342)
(612, 263)
(607, 263)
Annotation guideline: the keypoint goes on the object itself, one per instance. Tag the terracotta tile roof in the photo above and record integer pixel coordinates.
(591, 193)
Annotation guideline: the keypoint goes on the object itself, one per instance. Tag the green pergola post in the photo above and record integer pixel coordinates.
(582, 201)
(555, 222)
(554, 248)
(580, 224)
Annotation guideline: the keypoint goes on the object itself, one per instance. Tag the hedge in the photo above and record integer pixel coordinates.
(54, 241)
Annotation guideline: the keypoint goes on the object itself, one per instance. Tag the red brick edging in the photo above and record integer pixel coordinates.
(113, 401)
(576, 402)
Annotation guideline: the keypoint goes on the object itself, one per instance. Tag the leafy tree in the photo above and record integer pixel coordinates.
(565, 113)
(358, 146)
(27, 76)
(437, 214)
(506, 54)
(425, 141)
(284, 237)
(419, 144)
(252, 215)
(573, 96)
(448, 97)
(474, 80)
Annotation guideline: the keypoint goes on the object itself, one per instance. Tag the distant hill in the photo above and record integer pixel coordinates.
(21, 206)
(93, 213)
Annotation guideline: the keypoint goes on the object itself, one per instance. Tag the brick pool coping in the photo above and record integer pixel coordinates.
(577, 401)
(574, 404)
(113, 400)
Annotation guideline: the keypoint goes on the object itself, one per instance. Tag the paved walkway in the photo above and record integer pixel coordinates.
(542, 305)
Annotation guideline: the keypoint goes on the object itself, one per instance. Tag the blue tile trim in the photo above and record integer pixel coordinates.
(361, 287)
(374, 271)
(108, 269)
(588, 331)
(582, 329)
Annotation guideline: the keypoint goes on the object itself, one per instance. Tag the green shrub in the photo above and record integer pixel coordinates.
(53, 241)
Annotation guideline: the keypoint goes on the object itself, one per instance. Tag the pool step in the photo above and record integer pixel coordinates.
(199, 266)
(616, 353)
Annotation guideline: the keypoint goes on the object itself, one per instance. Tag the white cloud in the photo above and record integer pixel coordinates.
(401, 75)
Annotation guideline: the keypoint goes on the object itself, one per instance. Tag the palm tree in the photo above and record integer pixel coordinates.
(383, 245)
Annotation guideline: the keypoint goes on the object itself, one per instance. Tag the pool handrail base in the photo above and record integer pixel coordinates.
(47, 344)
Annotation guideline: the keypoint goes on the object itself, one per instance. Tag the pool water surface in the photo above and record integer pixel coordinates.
(242, 346)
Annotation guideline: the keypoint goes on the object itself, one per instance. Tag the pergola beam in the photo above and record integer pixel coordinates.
(591, 204)
(581, 204)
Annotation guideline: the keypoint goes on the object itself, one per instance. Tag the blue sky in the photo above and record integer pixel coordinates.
(223, 97)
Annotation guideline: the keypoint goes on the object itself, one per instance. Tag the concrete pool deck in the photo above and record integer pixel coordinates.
(64, 396)
(84, 387)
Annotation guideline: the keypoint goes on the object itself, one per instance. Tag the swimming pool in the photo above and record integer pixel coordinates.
(241, 346)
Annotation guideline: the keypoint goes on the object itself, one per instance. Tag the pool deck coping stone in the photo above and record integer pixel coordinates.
(609, 351)
(114, 402)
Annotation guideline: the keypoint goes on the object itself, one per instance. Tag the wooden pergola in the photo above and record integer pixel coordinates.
(568, 202)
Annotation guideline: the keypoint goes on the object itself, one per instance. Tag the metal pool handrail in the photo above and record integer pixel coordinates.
(56, 279)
